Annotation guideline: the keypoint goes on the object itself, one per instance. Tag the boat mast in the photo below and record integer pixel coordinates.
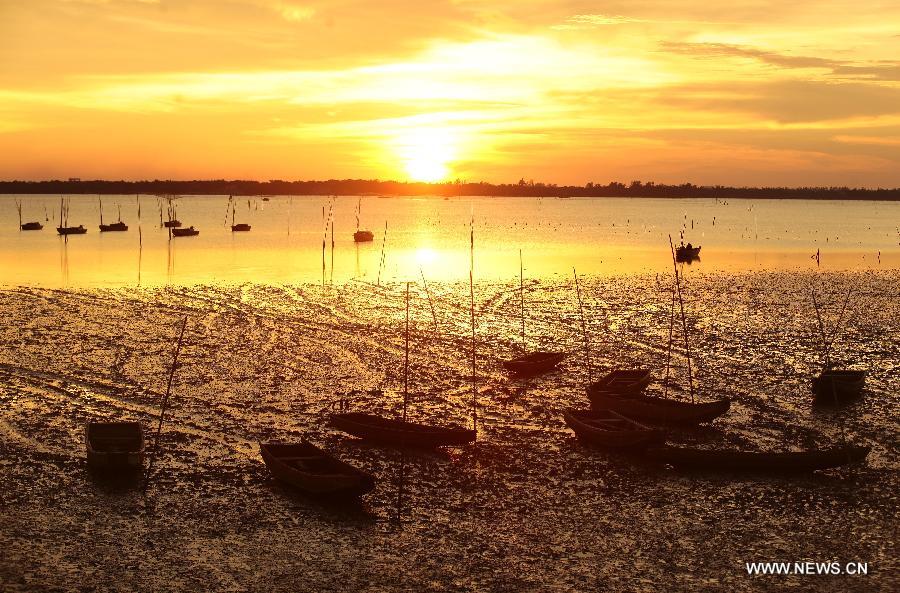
(587, 341)
(522, 300)
(99, 199)
(406, 357)
(472, 315)
(687, 344)
(165, 401)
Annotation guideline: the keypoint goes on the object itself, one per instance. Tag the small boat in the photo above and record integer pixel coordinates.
(363, 236)
(32, 226)
(838, 385)
(658, 410)
(116, 226)
(188, 232)
(172, 224)
(314, 471)
(607, 428)
(534, 363)
(71, 230)
(241, 227)
(623, 381)
(686, 253)
(399, 433)
(729, 460)
(114, 446)
(265, 199)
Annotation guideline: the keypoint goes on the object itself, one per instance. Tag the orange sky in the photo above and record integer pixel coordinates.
(745, 92)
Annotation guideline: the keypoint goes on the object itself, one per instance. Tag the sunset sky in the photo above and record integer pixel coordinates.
(742, 93)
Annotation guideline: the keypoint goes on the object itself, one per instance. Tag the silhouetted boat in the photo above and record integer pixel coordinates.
(116, 226)
(534, 363)
(240, 227)
(838, 385)
(658, 410)
(32, 226)
(400, 433)
(361, 236)
(687, 252)
(729, 460)
(607, 428)
(314, 471)
(71, 230)
(114, 446)
(265, 199)
(188, 232)
(172, 224)
(623, 381)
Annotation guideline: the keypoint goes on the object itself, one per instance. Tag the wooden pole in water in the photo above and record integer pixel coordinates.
(381, 261)
(165, 402)
(406, 357)
(522, 300)
(687, 345)
(472, 316)
(99, 199)
(587, 342)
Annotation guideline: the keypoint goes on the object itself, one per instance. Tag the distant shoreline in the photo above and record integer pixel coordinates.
(362, 187)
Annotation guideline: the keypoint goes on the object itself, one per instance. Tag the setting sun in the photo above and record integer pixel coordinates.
(426, 153)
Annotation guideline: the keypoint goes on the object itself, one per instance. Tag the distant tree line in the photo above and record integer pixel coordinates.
(355, 187)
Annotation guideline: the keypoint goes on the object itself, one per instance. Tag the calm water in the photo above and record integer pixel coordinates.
(430, 236)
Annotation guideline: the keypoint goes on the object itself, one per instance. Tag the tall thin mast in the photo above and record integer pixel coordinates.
(406, 357)
(522, 300)
(472, 315)
(687, 344)
(587, 342)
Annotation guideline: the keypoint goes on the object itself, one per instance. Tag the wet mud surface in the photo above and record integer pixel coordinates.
(528, 508)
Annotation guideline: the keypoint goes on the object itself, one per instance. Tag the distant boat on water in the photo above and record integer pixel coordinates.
(116, 226)
(172, 224)
(32, 226)
(188, 232)
(687, 253)
(71, 230)
(361, 235)
(241, 227)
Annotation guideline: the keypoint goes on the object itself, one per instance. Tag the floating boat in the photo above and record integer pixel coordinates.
(71, 230)
(265, 199)
(31, 226)
(658, 410)
(400, 433)
(188, 232)
(116, 226)
(241, 227)
(607, 428)
(314, 471)
(729, 460)
(172, 224)
(838, 385)
(114, 446)
(684, 253)
(363, 236)
(623, 381)
(534, 363)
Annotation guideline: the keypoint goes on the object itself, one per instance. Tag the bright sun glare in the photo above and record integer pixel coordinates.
(426, 153)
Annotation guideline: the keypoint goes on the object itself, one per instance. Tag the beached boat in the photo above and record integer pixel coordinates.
(114, 446)
(116, 226)
(729, 460)
(534, 363)
(314, 471)
(172, 224)
(71, 230)
(838, 385)
(188, 232)
(658, 410)
(31, 226)
(400, 433)
(685, 253)
(623, 381)
(607, 428)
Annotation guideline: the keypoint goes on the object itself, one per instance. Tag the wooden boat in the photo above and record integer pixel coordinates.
(31, 226)
(399, 433)
(188, 232)
(534, 363)
(71, 230)
(314, 471)
(241, 227)
(658, 410)
(730, 460)
(265, 199)
(116, 226)
(838, 385)
(172, 224)
(114, 446)
(363, 236)
(607, 428)
(623, 381)
(687, 252)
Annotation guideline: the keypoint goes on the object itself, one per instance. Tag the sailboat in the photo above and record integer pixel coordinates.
(835, 386)
(660, 410)
(361, 236)
(116, 226)
(240, 227)
(401, 432)
(27, 226)
(537, 362)
(173, 222)
(62, 229)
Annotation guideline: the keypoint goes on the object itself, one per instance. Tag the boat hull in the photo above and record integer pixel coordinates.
(747, 461)
(363, 236)
(240, 228)
(399, 433)
(71, 230)
(623, 381)
(114, 447)
(188, 232)
(325, 476)
(172, 224)
(114, 227)
(32, 226)
(606, 428)
(657, 410)
(836, 386)
(534, 363)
